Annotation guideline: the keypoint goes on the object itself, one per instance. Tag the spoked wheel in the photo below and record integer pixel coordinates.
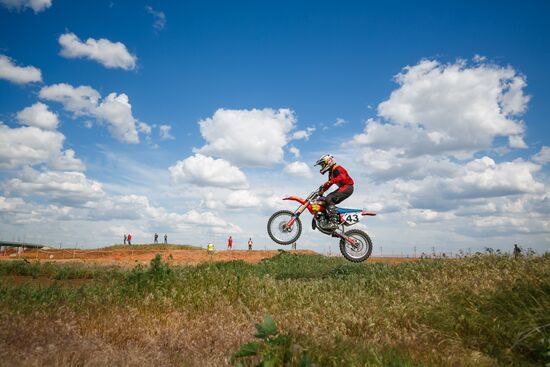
(362, 249)
(278, 230)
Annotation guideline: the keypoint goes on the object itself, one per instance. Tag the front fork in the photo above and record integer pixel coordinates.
(297, 213)
(348, 239)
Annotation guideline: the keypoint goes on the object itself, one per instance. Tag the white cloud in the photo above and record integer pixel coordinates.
(295, 151)
(299, 169)
(160, 18)
(207, 171)
(61, 187)
(543, 156)
(18, 74)
(144, 128)
(109, 54)
(38, 115)
(36, 5)
(117, 112)
(242, 199)
(164, 132)
(303, 134)
(480, 179)
(449, 109)
(248, 137)
(82, 100)
(340, 122)
(115, 109)
(31, 145)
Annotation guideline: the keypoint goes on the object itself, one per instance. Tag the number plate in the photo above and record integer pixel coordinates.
(352, 218)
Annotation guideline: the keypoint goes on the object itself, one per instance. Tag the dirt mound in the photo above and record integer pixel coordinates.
(134, 256)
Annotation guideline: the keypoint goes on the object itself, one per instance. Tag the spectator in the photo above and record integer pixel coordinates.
(129, 239)
(294, 245)
(125, 239)
(230, 243)
(250, 243)
(517, 251)
(165, 239)
(210, 249)
(156, 237)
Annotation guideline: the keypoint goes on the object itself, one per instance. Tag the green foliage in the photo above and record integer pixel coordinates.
(156, 278)
(273, 349)
(484, 310)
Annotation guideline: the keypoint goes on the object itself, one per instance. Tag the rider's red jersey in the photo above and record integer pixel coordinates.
(339, 176)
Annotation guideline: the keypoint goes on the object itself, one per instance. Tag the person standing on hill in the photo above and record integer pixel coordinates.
(125, 239)
(517, 251)
(129, 239)
(156, 237)
(230, 243)
(250, 243)
(165, 239)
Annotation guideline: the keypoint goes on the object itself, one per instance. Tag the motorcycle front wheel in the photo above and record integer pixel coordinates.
(361, 251)
(278, 231)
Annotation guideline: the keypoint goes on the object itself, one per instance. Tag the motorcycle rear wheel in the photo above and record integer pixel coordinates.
(363, 249)
(277, 231)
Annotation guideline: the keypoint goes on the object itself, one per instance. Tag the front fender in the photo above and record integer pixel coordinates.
(295, 198)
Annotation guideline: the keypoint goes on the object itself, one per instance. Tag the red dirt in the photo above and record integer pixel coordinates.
(127, 257)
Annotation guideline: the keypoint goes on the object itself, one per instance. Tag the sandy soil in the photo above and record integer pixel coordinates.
(175, 257)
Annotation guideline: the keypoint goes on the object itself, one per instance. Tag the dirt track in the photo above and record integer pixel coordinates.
(131, 257)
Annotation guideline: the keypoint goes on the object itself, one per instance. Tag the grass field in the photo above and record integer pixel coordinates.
(476, 311)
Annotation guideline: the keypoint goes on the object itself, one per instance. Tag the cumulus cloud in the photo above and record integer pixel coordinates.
(207, 171)
(299, 169)
(109, 54)
(81, 100)
(115, 109)
(303, 134)
(160, 18)
(449, 109)
(36, 5)
(543, 156)
(31, 145)
(117, 112)
(479, 179)
(164, 132)
(242, 199)
(38, 115)
(61, 187)
(295, 151)
(247, 137)
(18, 74)
(144, 128)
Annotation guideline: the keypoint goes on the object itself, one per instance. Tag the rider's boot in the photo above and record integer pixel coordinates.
(333, 217)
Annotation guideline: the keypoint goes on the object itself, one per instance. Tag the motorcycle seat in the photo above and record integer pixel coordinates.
(347, 210)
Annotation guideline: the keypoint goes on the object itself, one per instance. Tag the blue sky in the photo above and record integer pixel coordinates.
(194, 118)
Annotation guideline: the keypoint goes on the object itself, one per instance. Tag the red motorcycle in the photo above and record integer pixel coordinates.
(284, 227)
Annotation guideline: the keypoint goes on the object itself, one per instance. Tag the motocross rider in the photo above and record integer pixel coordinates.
(339, 176)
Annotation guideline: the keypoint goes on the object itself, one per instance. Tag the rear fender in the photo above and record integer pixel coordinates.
(368, 213)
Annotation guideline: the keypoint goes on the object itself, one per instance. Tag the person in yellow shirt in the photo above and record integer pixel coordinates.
(210, 248)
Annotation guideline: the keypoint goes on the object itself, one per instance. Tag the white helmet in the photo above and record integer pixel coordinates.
(326, 162)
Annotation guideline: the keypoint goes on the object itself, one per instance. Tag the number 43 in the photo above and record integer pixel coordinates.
(352, 218)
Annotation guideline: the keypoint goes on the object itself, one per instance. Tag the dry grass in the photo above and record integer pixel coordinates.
(482, 311)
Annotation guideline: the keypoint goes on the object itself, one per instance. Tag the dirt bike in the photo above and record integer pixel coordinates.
(284, 227)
